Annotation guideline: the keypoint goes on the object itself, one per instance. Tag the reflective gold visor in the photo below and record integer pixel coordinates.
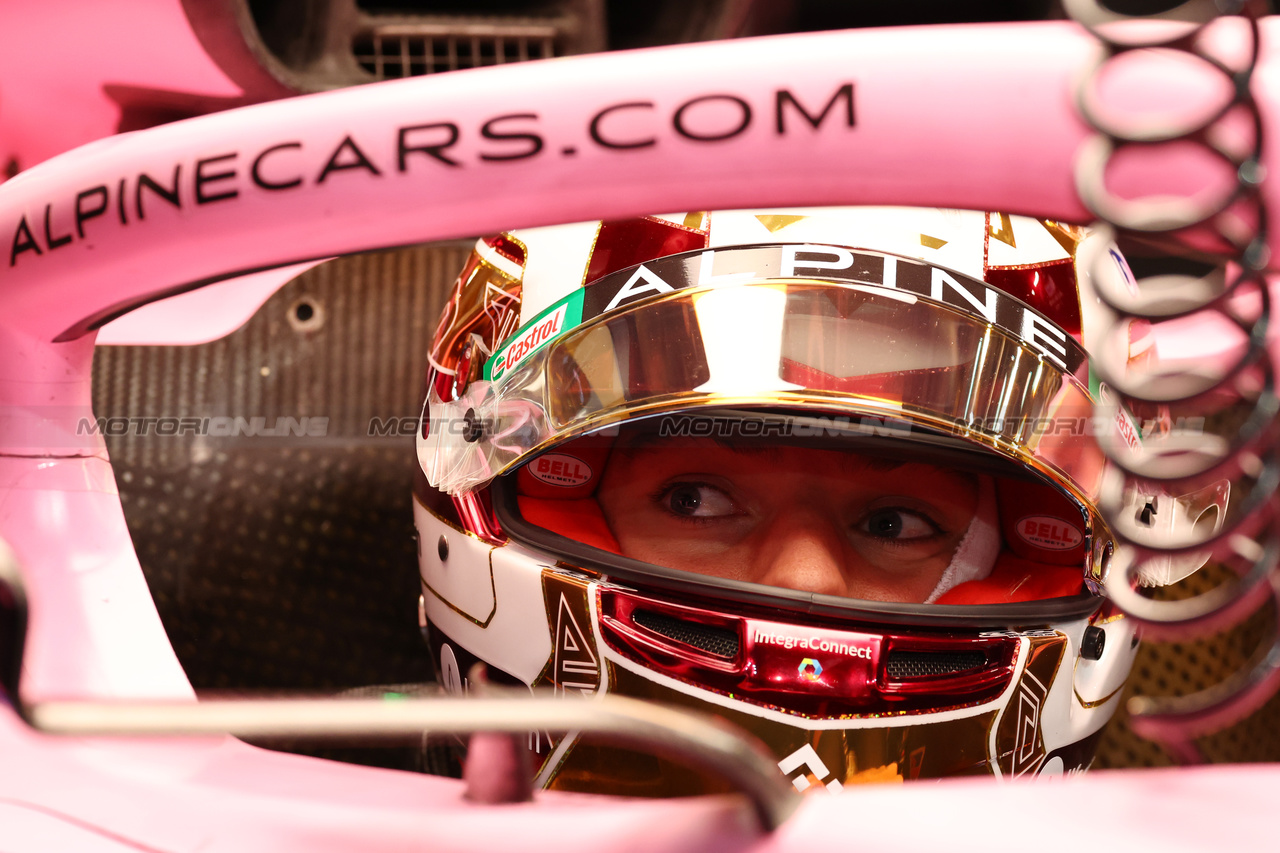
(832, 349)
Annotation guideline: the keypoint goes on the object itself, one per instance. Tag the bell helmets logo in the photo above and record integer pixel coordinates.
(1049, 532)
(539, 332)
(560, 469)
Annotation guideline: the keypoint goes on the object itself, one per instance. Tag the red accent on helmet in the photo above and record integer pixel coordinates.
(476, 511)
(1050, 288)
(628, 242)
(578, 519)
(887, 385)
(444, 386)
(1040, 524)
(1016, 579)
(505, 246)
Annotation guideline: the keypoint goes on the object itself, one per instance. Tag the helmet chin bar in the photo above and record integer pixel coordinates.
(851, 671)
(869, 679)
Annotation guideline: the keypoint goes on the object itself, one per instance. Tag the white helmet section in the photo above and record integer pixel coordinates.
(1098, 683)
(557, 256)
(486, 598)
(1074, 705)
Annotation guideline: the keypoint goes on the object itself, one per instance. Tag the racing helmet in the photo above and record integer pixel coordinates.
(829, 474)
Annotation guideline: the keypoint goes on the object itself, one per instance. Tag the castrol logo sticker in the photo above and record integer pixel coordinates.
(1124, 425)
(530, 340)
(1127, 431)
(1049, 532)
(560, 469)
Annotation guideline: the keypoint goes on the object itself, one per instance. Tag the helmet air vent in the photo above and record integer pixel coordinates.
(916, 664)
(720, 642)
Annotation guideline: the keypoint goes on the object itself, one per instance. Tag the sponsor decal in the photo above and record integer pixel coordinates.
(1124, 425)
(817, 644)
(1127, 431)
(415, 151)
(544, 328)
(1049, 532)
(711, 267)
(574, 668)
(560, 469)
(809, 669)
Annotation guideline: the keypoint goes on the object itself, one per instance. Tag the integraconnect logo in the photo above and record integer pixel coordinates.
(414, 150)
(812, 643)
(810, 670)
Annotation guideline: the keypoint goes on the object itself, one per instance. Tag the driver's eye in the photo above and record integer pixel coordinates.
(697, 500)
(896, 523)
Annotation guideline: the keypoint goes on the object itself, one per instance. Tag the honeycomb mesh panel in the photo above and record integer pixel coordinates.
(902, 664)
(286, 561)
(720, 642)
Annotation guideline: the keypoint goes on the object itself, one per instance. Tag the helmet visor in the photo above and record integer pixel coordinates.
(843, 349)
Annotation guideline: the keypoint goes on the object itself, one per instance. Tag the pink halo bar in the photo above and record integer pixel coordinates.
(615, 135)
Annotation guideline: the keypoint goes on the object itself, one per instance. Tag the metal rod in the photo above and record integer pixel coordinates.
(697, 740)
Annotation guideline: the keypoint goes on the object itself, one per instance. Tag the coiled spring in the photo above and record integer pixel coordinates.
(1205, 391)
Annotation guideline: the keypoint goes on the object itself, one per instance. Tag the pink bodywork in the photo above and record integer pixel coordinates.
(974, 117)
(62, 61)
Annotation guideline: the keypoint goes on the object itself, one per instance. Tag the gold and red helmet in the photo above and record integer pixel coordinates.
(827, 473)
